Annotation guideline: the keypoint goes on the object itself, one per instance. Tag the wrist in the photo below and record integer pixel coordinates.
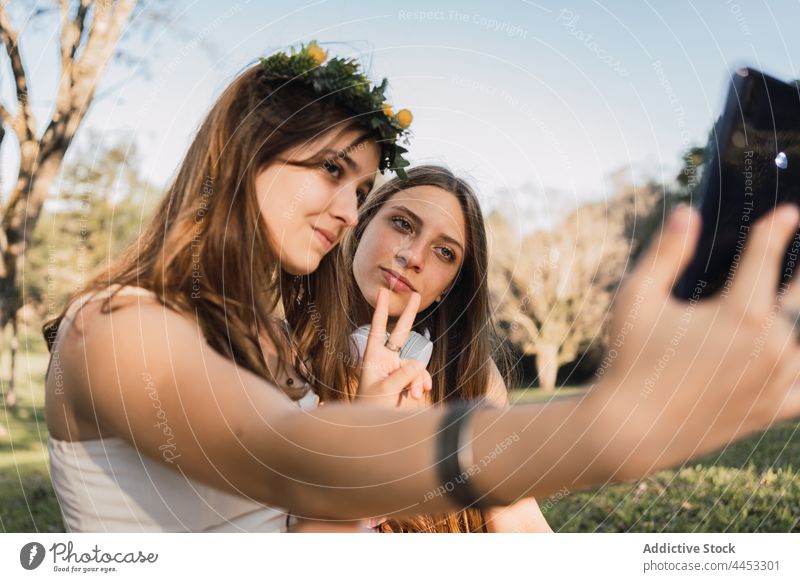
(614, 437)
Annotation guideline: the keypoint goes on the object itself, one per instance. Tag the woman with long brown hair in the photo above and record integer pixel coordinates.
(426, 235)
(166, 399)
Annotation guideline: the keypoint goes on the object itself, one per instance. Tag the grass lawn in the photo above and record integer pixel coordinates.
(751, 486)
(27, 501)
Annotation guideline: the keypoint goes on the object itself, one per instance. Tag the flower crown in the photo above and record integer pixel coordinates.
(340, 80)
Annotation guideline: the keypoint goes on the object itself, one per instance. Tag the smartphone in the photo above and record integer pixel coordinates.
(752, 163)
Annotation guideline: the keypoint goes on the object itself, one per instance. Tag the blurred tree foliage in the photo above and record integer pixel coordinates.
(103, 203)
(552, 289)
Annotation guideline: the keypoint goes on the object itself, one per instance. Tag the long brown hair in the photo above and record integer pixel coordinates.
(461, 325)
(205, 250)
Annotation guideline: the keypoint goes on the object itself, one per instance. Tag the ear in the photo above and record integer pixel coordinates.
(443, 295)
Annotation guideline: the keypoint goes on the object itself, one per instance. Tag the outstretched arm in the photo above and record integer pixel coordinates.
(237, 432)
(524, 516)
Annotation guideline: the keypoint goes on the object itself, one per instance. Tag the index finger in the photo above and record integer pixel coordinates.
(406, 320)
(377, 331)
(757, 276)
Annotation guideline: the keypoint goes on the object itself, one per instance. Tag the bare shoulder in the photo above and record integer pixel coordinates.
(147, 375)
(99, 348)
(126, 327)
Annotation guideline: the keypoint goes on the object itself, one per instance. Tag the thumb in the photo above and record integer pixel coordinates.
(669, 255)
(402, 377)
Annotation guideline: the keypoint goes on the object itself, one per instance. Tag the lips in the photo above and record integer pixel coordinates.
(396, 281)
(327, 237)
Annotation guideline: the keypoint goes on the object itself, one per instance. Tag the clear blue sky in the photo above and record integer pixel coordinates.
(555, 96)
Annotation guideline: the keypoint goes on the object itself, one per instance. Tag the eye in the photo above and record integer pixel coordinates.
(401, 223)
(333, 168)
(447, 254)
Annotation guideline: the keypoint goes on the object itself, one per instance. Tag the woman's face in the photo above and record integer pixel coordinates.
(308, 210)
(415, 242)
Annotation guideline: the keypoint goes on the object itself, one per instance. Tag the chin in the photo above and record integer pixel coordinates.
(301, 267)
(397, 303)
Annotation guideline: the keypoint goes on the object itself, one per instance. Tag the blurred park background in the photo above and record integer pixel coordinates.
(98, 101)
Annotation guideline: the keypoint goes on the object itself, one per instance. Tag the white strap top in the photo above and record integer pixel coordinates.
(106, 485)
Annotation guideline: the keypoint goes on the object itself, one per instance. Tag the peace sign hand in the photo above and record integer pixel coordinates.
(385, 378)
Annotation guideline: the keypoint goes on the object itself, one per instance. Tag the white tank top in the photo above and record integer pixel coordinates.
(106, 485)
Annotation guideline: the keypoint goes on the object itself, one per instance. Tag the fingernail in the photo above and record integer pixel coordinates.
(678, 218)
(790, 214)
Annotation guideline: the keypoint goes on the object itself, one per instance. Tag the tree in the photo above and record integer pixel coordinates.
(90, 33)
(102, 206)
(552, 289)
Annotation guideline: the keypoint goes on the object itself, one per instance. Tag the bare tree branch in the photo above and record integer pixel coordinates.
(5, 117)
(77, 88)
(71, 32)
(25, 125)
(42, 157)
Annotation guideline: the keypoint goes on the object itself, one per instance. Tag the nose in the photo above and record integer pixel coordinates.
(411, 256)
(344, 207)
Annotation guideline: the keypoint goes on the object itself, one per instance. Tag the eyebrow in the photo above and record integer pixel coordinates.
(343, 155)
(415, 217)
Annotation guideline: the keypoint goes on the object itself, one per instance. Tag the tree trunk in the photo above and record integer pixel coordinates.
(547, 365)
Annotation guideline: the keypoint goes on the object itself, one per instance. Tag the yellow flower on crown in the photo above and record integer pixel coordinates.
(341, 81)
(316, 53)
(404, 118)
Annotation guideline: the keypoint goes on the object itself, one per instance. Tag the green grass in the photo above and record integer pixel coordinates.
(753, 485)
(27, 501)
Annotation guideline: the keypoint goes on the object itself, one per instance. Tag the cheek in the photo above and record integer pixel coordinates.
(439, 282)
(360, 262)
(288, 195)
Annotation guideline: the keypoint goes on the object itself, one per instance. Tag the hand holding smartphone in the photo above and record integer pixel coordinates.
(752, 165)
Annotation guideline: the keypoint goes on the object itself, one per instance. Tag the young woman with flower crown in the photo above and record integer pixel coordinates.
(166, 394)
